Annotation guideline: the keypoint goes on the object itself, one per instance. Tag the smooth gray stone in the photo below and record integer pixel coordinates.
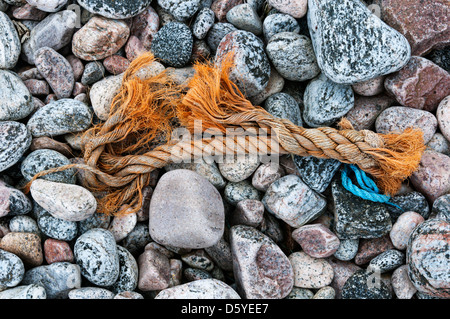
(277, 23)
(15, 139)
(17, 202)
(244, 17)
(55, 227)
(409, 202)
(16, 101)
(203, 23)
(282, 105)
(388, 260)
(217, 32)
(12, 270)
(352, 44)
(23, 224)
(91, 293)
(10, 46)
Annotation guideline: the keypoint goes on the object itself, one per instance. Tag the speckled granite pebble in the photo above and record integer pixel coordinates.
(14, 142)
(180, 9)
(115, 9)
(128, 272)
(199, 289)
(10, 46)
(203, 23)
(388, 260)
(24, 292)
(277, 23)
(15, 96)
(12, 270)
(310, 272)
(365, 285)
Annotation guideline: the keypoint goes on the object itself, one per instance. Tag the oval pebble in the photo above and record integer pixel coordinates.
(90, 293)
(27, 246)
(12, 270)
(15, 96)
(199, 289)
(403, 227)
(13, 201)
(244, 17)
(310, 272)
(15, 139)
(388, 260)
(277, 23)
(48, 5)
(181, 10)
(10, 46)
(24, 224)
(203, 23)
(128, 272)
(56, 228)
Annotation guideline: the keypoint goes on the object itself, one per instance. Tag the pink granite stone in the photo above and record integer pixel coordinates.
(145, 26)
(316, 240)
(57, 251)
(403, 228)
(116, 64)
(370, 248)
(221, 8)
(295, 8)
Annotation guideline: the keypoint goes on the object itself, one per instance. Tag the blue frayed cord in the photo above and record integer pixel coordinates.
(367, 188)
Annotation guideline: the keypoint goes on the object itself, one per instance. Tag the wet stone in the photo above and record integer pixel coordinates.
(317, 173)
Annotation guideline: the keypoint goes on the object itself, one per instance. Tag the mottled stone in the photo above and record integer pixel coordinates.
(421, 84)
(10, 46)
(145, 26)
(300, 293)
(173, 44)
(244, 17)
(27, 246)
(93, 72)
(356, 48)
(199, 289)
(370, 87)
(432, 178)
(221, 7)
(116, 64)
(315, 172)
(77, 66)
(48, 5)
(251, 67)
(128, 295)
(439, 143)
(292, 201)
(198, 259)
(370, 248)
(134, 48)
(365, 285)
(154, 270)
(37, 87)
(427, 256)
(24, 224)
(15, 96)
(443, 117)
(186, 211)
(100, 38)
(128, 272)
(295, 8)
(310, 272)
(12, 270)
(410, 201)
(441, 207)
(441, 57)
(401, 284)
(347, 249)
(203, 23)
(403, 228)
(342, 271)
(239, 168)
(14, 142)
(57, 251)
(239, 191)
(248, 212)
(325, 293)
(192, 274)
(181, 10)
(13, 201)
(90, 293)
(275, 85)
(115, 9)
(261, 269)
(53, 227)
(292, 55)
(65, 201)
(121, 226)
(355, 217)
(217, 32)
(266, 174)
(387, 261)
(277, 23)
(316, 240)
(24, 292)
(102, 93)
(325, 102)
(96, 254)
(60, 117)
(137, 239)
(221, 254)
(58, 279)
(282, 105)
(366, 110)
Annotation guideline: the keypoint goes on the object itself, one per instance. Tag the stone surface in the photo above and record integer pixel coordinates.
(244, 17)
(217, 32)
(24, 224)
(292, 55)
(100, 38)
(295, 8)
(292, 201)
(90, 293)
(282, 105)
(401, 284)
(370, 87)
(121, 226)
(15, 96)
(433, 175)
(248, 212)
(367, 109)
(221, 7)
(403, 228)
(24, 292)
(251, 68)
(427, 257)
(275, 85)
(10, 46)
(439, 143)
(128, 272)
(370, 248)
(186, 211)
(96, 254)
(239, 168)
(48, 5)
(365, 285)
(410, 201)
(199, 289)
(441, 207)
(316, 240)
(317, 173)
(203, 23)
(325, 102)
(26, 246)
(12, 270)
(421, 84)
(358, 48)
(145, 25)
(14, 141)
(57, 251)
(347, 249)
(64, 201)
(181, 10)
(266, 174)
(13, 201)
(277, 23)
(102, 93)
(443, 117)
(260, 267)
(115, 9)
(55, 227)
(154, 270)
(310, 272)
(388, 261)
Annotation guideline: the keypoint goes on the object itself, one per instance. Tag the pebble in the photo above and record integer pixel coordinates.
(432, 80)
(128, 272)
(14, 140)
(300, 293)
(261, 269)
(238, 168)
(370, 87)
(244, 17)
(342, 271)
(100, 38)
(347, 249)
(248, 212)
(266, 174)
(77, 67)
(388, 261)
(396, 119)
(199, 289)
(186, 211)
(356, 48)
(173, 44)
(310, 272)
(411, 201)
(115, 9)
(57, 251)
(97, 256)
(221, 254)
(217, 32)
(370, 248)
(48, 5)
(443, 117)
(90, 293)
(293, 56)
(137, 239)
(325, 293)
(401, 284)
(145, 25)
(439, 143)
(10, 46)
(356, 217)
(37, 87)
(441, 57)
(277, 23)
(441, 207)
(23, 224)
(116, 64)
(128, 295)
(275, 85)
(176, 273)
(425, 27)
(121, 226)
(221, 7)
(58, 279)
(326, 102)
(432, 178)
(239, 191)
(12, 270)
(44, 159)
(367, 109)
(16, 98)
(27, 246)
(284, 106)
(315, 172)
(181, 10)
(295, 8)
(403, 228)
(198, 259)
(250, 70)
(65, 201)
(203, 23)
(13, 201)
(192, 274)
(154, 270)
(56, 228)
(316, 240)
(24, 292)
(365, 285)
(61, 25)
(93, 72)
(102, 93)
(427, 258)
(292, 201)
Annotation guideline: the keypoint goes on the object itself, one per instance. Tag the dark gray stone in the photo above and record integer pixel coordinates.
(317, 173)
(282, 105)
(115, 9)
(365, 285)
(128, 272)
(203, 23)
(93, 72)
(388, 260)
(409, 202)
(15, 139)
(137, 239)
(13, 201)
(55, 227)
(441, 57)
(441, 207)
(236, 192)
(217, 32)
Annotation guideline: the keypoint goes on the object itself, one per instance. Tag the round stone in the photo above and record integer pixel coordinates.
(115, 9)
(27, 246)
(443, 117)
(388, 260)
(203, 23)
(239, 168)
(48, 5)
(90, 293)
(239, 191)
(181, 10)
(244, 17)
(365, 285)
(128, 272)
(316, 240)
(24, 224)
(13, 201)
(403, 228)
(284, 106)
(347, 249)
(217, 32)
(56, 228)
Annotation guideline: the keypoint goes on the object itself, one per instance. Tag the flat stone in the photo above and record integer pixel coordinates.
(186, 211)
(99, 38)
(199, 289)
(326, 102)
(261, 269)
(12, 270)
(421, 84)
(10, 46)
(427, 258)
(403, 228)
(180, 9)
(293, 56)
(443, 117)
(27, 246)
(60, 117)
(295, 8)
(310, 272)
(96, 254)
(355, 49)
(433, 175)
(16, 98)
(316, 240)
(64, 201)
(292, 201)
(317, 173)
(115, 9)
(365, 285)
